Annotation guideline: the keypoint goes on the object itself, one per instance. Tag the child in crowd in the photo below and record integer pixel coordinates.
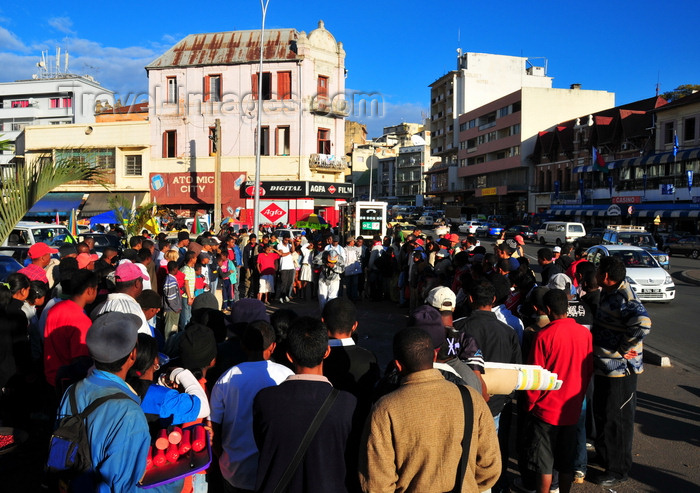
(200, 282)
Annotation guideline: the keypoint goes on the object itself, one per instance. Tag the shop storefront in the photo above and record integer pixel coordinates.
(291, 201)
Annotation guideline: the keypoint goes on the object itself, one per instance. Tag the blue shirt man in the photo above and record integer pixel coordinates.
(117, 430)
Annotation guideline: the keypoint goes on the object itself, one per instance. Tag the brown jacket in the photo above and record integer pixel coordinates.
(412, 439)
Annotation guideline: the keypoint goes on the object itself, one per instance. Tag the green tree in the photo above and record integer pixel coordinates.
(680, 92)
(25, 184)
(132, 222)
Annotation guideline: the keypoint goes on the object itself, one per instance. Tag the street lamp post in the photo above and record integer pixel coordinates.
(256, 193)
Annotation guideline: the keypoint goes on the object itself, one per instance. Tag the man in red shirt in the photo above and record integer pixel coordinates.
(40, 254)
(565, 348)
(266, 268)
(67, 326)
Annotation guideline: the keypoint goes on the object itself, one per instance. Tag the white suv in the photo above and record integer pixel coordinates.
(469, 227)
(26, 233)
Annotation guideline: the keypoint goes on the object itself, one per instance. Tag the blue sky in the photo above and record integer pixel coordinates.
(394, 48)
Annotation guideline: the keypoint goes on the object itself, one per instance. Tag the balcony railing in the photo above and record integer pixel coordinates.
(327, 163)
(330, 107)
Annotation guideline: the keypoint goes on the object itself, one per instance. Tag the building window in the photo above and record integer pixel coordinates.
(284, 85)
(67, 102)
(54, 103)
(170, 143)
(322, 88)
(103, 158)
(171, 83)
(264, 141)
(21, 103)
(324, 141)
(133, 165)
(282, 141)
(689, 129)
(668, 133)
(266, 86)
(212, 87)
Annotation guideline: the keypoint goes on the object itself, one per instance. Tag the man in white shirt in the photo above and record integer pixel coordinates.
(286, 268)
(129, 281)
(232, 406)
(353, 268)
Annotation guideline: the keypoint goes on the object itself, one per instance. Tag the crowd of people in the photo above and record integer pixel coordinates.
(294, 403)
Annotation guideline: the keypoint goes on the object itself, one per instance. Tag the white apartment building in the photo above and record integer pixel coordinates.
(479, 79)
(56, 100)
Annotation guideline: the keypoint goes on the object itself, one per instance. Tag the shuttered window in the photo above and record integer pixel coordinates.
(284, 85)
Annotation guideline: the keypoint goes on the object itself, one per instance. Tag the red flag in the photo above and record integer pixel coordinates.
(598, 162)
(58, 220)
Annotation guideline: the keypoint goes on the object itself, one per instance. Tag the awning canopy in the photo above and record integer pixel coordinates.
(98, 202)
(661, 158)
(109, 217)
(666, 213)
(57, 202)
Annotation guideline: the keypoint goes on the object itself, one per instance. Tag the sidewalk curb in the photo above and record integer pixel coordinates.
(686, 276)
(654, 357)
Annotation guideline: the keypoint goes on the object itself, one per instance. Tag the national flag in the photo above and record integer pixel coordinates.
(73, 224)
(598, 161)
(58, 219)
(196, 226)
(675, 144)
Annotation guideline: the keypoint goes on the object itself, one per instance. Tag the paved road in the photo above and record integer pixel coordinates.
(674, 325)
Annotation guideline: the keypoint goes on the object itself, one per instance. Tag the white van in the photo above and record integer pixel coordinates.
(560, 232)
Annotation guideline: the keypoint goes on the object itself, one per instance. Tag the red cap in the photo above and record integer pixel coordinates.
(39, 250)
(519, 240)
(454, 238)
(84, 259)
(419, 241)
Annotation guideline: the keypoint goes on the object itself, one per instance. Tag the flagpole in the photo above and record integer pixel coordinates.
(256, 192)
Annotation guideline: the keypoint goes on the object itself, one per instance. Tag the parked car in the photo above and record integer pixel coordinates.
(26, 233)
(525, 231)
(648, 279)
(104, 240)
(622, 234)
(8, 265)
(424, 221)
(559, 232)
(489, 230)
(688, 246)
(593, 237)
(469, 227)
(287, 233)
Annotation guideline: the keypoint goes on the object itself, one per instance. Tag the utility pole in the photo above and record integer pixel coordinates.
(217, 173)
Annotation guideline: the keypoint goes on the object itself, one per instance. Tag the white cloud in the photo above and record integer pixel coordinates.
(8, 41)
(62, 24)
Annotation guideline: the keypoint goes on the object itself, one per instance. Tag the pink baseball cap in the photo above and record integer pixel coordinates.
(39, 250)
(84, 259)
(519, 240)
(128, 272)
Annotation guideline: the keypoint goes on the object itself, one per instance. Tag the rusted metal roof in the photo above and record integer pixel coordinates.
(229, 48)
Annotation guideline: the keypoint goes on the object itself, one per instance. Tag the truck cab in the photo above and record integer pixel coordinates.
(623, 234)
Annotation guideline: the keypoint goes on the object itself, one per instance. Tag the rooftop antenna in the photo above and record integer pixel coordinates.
(658, 79)
(58, 60)
(65, 65)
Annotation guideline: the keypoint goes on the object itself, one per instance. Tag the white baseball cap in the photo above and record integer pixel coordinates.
(442, 298)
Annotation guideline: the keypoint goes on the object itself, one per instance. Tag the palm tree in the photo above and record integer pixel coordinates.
(134, 220)
(23, 185)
